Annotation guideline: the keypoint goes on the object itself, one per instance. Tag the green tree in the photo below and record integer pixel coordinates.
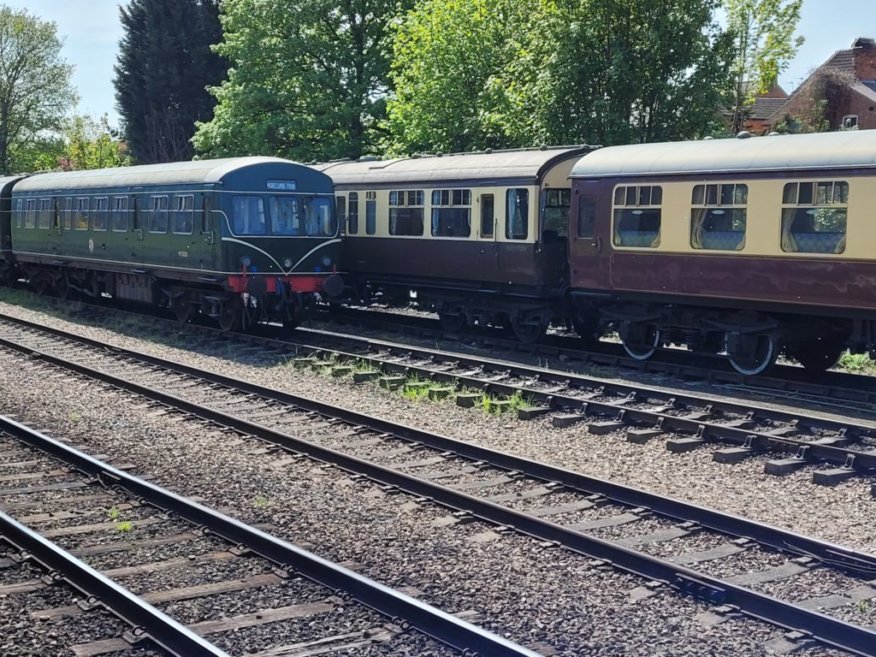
(164, 67)
(35, 90)
(91, 144)
(627, 71)
(449, 68)
(308, 79)
(82, 142)
(502, 73)
(763, 46)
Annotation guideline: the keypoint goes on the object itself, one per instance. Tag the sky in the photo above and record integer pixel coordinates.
(91, 32)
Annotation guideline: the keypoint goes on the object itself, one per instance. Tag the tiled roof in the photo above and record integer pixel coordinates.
(842, 60)
(764, 108)
(867, 90)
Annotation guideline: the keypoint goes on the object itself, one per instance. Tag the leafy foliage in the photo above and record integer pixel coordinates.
(308, 79)
(165, 65)
(450, 65)
(763, 45)
(35, 91)
(81, 143)
(488, 73)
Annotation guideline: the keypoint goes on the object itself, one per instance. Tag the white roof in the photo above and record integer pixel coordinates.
(521, 164)
(831, 150)
(172, 173)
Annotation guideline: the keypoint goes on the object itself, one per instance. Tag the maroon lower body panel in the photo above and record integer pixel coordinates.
(825, 283)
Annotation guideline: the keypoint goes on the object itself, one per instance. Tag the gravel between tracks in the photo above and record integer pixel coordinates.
(534, 594)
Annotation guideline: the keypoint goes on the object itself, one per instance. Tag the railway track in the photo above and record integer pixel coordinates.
(784, 381)
(686, 420)
(736, 565)
(193, 561)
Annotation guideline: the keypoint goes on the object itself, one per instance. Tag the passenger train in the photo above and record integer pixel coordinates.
(745, 247)
(241, 240)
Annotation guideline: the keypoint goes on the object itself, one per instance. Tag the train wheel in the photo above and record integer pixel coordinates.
(751, 354)
(184, 310)
(587, 329)
(41, 285)
(231, 314)
(452, 322)
(817, 355)
(63, 289)
(640, 340)
(526, 330)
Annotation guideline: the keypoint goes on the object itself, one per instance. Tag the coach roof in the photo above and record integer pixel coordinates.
(519, 165)
(834, 150)
(173, 173)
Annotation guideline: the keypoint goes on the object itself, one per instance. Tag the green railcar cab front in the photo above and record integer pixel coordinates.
(281, 237)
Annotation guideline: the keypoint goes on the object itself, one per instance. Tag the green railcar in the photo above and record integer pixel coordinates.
(242, 240)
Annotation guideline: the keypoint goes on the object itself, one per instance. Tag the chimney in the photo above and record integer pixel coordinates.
(864, 52)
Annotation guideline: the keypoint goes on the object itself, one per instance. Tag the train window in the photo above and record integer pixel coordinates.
(82, 213)
(119, 220)
(371, 212)
(248, 216)
(517, 214)
(99, 219)
(586, 217)
(488, 215)
(717, 220)
(19, 213)
(67, 214)
(637, 215)
(44, 219)
(353, 218)
(30, 213)
(451, 213)
(341, 210)
(814, 217)
(556, 214)
(184, 214)
(157, 214)
(406, 212)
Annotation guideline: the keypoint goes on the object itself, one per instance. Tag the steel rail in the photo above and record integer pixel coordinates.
(829, 630)
(677, 362)
(166, 632)
(427, 619)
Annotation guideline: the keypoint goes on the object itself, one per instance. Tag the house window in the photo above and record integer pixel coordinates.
(99, 219)
(814, 217)
(637, 215)
(451, 213)
(850, 122)
(44, 220)
(82, 213)
(406, 212)
(517, 214)
(158, 214)
(120, 214)
(556, 214)
(718, 216)
(353, 219)
(184, 214)
(488, 215)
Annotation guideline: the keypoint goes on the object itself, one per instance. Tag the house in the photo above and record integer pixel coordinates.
(839, 94)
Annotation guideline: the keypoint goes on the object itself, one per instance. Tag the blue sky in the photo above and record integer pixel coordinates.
(91, 33)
